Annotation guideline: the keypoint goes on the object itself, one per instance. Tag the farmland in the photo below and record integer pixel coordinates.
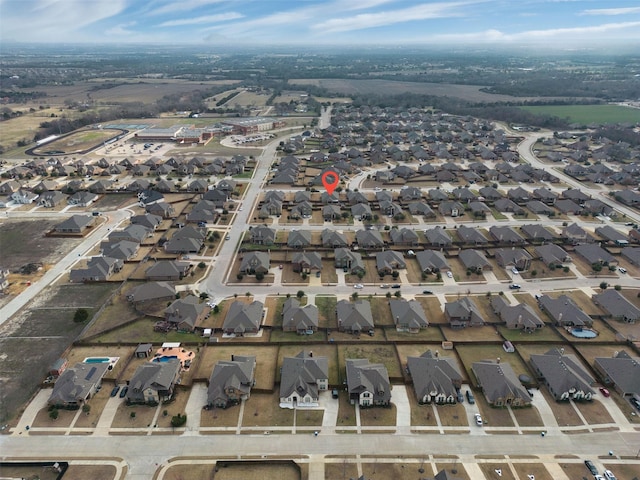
(586, 114)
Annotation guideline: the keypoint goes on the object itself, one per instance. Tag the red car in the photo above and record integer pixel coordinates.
(605, 392)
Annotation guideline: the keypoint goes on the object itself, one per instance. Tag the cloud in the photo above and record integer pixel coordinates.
(378, 19)
(223, 17)
(182, 6)
(611, 11)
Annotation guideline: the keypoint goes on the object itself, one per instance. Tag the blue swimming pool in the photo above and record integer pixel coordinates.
(97, 360)
(165, 359)
(583, 332)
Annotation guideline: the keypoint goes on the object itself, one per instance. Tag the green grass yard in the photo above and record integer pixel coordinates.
(585, 114)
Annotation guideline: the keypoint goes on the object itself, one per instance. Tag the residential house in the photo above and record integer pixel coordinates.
(303, 320)
(307, 262)
(152, 291)
(368, 383)
(631, 254)
(563, 375)
(421, 208)
(82, 199)
(617, 306)
(438, 237)
(369, 239)
(611, 235)
(333, 238)
(76, 224)
(132, 233)
(474, 260)
(185, 240)
(162, 209)
(23, 197)
(575, 234)
(302, 378)
(153, 382)
(462, 313)
(202, 212)
(185, 314)
(77, 384)
(451, 208)
(564, 312)
(148, 221)
(516, 317)
(167, 271)
(231, 381)
(255, 262)
(331, 212)
(51, 199)
(408, 316)
(404, 236)
(262, 235)
(506, 205)
(243, 318)
(568, 207)
(499, 384)
(346, 259)
(471, 236)
(518, 195)
(354, 317)
(537, 233)
(123, 250)
(389, 260)
(595, 254)
(552, 255)
(299, 239)
(513, 257)
(622, 371)
(99, 269)
(545, 195)
(432, 261)
(217, 197)
(504, 235)
(361, 211)
(435, 379)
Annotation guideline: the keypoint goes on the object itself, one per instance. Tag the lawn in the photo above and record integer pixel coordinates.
(143, 418)
(263, 410)
(96, 404)
(327, 311)
(220, 417)
(341, 470)
(382, 317)
(397, 471)
(378, 416)
(176, 406)
(528, 417)
(118, 311)
(65, 417)
(235, 471)
(586, 114)
(594, 412)
(489, 470)
(546, 334)
(432, 309)
(308, 418)
(142, 331)
(429, 334)
(452, 415)
(94, 472)
(346, 411)
(484, 333)
(421, 415)
(563, 411)
(384, 354)
(538, 470)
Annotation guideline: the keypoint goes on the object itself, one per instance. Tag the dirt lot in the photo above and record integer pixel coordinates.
(398, 471)
(538, 470)
(23, 241)
(218, 417)
(343, 470)
(234, 471)
(489, 470)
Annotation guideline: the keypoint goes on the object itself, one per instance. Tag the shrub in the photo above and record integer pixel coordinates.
(81, 315)
(240, 276)
(53, 414)
(202, 265)
(618, 287)
(259, 276)
(178, 420)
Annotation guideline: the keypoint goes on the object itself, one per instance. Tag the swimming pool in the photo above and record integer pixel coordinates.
(583, 332)
(97, 360)
(165, 359)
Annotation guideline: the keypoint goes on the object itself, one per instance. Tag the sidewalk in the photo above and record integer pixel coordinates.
(29, 415)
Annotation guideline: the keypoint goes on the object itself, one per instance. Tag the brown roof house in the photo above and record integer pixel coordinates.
(354, 317)
(408, 316)
(243, 318)
(500, 384)
(231, 381)
(517, 317)
(622, 371)
(368, 383)
(435, 379)
(185, 313)
(302, 378)
(563, 375)
(295, 318)
(463, 313)
(77, 384)
(153, 382)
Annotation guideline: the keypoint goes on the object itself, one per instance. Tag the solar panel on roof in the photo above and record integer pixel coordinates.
(90, 374)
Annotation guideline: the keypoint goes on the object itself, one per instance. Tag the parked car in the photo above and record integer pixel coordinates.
(334, 393)
(228, 237)
(384, 285)
(395, 285)
(515, 271)
(608, 474)
(478, 418)
(635, 403)
(515, 286)
(449, 274)
(459, 396)
(124, 391)
(592, 468)
(114, 391)
(470, 397)
(622, 270)
(427, 292)
(358, 286)
(605, 392)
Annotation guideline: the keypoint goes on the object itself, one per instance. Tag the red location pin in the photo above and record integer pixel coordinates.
(330, 180)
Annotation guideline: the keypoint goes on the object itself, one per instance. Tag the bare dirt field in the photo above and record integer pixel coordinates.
(235, 471)
(23, 241)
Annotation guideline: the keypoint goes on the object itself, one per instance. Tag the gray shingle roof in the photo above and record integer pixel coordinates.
(301, 373)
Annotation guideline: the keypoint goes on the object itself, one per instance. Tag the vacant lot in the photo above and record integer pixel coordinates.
(489, 470)
(234, 471)
(23, 241)
(586, 114)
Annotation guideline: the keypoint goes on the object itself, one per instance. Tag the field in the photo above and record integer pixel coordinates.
(235, 471)
(77, 142)
(585, 114)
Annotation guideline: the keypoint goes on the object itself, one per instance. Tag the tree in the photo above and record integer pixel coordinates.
(178, 420)
(354, 296)
(216, 309)
(300, 294)
(618, 288)
(202, 265)
(132, 415)
(259, 276)
(398, 294)
(81, 315)
(86, 408)
(204, 296)
(603, 285)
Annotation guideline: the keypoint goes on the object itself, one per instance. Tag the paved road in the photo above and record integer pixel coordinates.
(114, 219)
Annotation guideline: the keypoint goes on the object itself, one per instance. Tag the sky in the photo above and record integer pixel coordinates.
(558, 23)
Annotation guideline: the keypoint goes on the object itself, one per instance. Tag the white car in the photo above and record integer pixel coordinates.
(478, 418)
(622, 270)
(609, 475)
(515, 271)
(358, 286)
(449, 274)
